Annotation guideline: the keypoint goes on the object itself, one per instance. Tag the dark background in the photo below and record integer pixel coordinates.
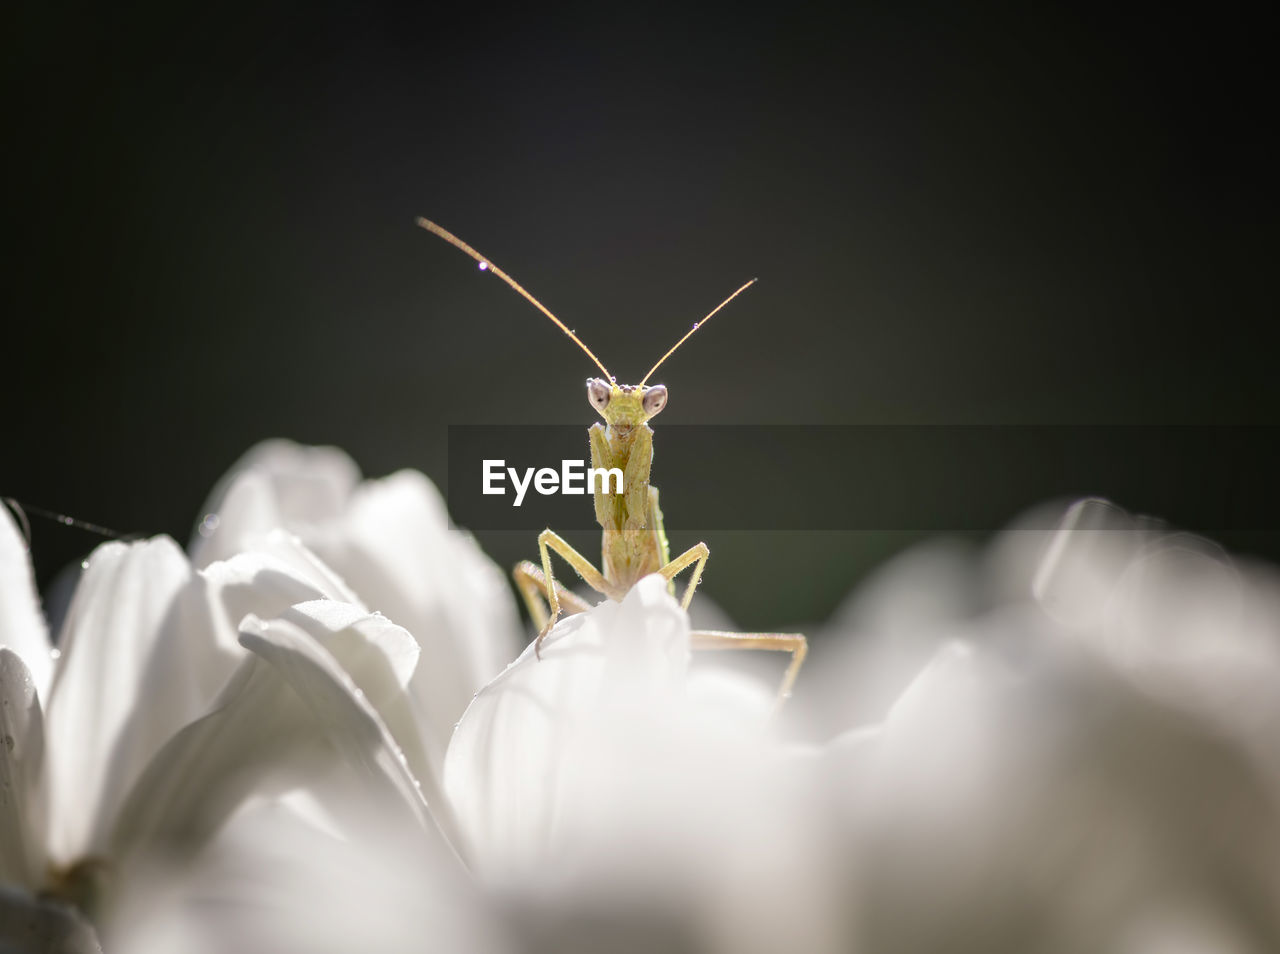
(1008, 217)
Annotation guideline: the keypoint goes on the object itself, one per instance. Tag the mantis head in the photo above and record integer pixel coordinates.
(626, 405)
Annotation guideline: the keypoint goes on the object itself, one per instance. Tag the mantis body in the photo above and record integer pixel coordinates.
(634, 542)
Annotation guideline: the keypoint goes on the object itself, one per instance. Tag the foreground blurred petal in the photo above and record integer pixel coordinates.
(885, 632)
(1093, 544)
(21, 760)
(1051, 807)
(22, 626)
(1174, 614)
(29, 926)
(273, 882)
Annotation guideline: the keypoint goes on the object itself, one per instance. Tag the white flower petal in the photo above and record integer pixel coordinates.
(391, 543)
(286, 552)
(115, 621)
(198, 647)
(377, 654)
(1093, 544)
(252, 583)
(22, 626)
(346, 679)
(380, 658)
(513, 753)
(279, 722)
(601, 797)
(431, 570)
(1174, 614)
(273, 881)
(21, 760)
(397, 550)
(149, 646)
(275, 484)
(1048, 806)
(255, 736)
(885, 632)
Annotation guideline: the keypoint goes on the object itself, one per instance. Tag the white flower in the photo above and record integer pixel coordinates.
(274, 881)
(610, 798)
(1066, 743)
(1015, 805)
(390, 540)
(1087, 762)
(153, 725)
(1174, 614)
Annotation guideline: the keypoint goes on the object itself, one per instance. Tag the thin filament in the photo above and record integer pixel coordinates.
(696, 326)
(488, 265)
(21, 509)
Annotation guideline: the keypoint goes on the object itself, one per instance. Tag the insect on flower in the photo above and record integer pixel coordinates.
(634, 542)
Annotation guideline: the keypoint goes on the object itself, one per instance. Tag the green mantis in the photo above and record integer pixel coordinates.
(634, 542)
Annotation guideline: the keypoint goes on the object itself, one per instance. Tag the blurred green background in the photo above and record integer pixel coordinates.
(1037, 216)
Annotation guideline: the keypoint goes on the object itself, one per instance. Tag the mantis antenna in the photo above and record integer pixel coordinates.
(696, 326)
(487, 265)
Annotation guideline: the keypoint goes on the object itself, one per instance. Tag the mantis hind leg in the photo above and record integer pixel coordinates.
(792, 643)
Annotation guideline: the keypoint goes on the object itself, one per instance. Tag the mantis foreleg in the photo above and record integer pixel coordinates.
(548, 541)
(533, 588)
(698, 552)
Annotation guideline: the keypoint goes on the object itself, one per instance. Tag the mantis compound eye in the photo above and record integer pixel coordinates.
(655, 399)
(598, 393)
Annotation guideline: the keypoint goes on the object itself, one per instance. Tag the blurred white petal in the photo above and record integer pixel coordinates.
(36, 926)
(272, 882)
(22, 809)
(1174, 614)
(275, 484)
(1094, 543)
(1052, 808)
(22, 625)
(885, 632)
